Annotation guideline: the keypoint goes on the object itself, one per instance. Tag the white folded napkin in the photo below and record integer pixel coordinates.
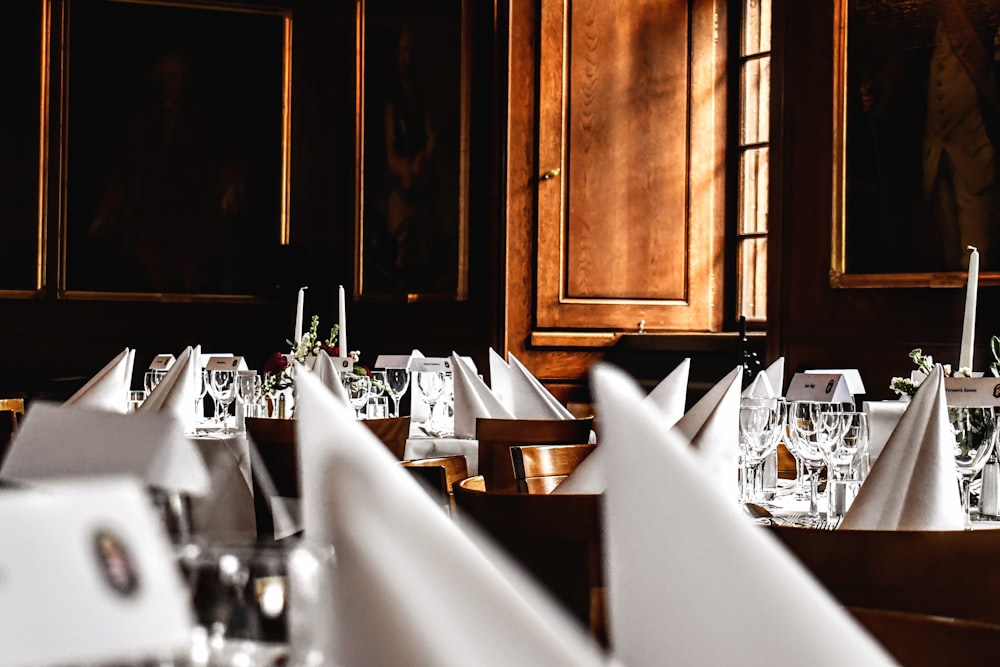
(691, 580)
(328, 374)
(473, 399)
(108, 389)
(883, 416)
(669, 396)
(531, 399)
(500, 380)
(176, 392)
(449, 602)
(913, 484)
(68, 441)
(711, 427)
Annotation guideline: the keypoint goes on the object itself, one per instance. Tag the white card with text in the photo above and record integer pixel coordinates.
(430, 365)
(162, 362)
(819, 387)
(963, 392)
(88, 577)
(230, 363)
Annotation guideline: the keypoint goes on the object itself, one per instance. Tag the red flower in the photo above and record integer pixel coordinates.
(332, 351)
(276, 363)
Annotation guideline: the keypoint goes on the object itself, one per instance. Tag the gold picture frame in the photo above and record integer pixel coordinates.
(887, 229)
(412, 150)
(174, 148)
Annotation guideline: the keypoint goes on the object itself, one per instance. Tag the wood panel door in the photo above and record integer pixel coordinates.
(630, 198)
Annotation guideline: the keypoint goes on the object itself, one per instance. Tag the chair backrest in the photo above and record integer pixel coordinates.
(920, 640)
(392, 431)
(497, 436)
(10, 408)
(557, 538)
(540, 468)
(13, 405)
(442, 473)
(922, 572)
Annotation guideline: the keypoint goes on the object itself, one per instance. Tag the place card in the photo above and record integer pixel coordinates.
(963, 392)
(59, 441)
(392, 361)
(230, 363)
(430, 365)
(820, 387)
(162, 362)
(343, 364)
(852, 375)
(90, 577)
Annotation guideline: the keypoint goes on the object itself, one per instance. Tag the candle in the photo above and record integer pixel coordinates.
(298, 314)
(342, 319)
(969, 324)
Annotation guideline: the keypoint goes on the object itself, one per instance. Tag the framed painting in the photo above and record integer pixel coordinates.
(174, 153)
(24, 66)
(917, 142)
(411, 218)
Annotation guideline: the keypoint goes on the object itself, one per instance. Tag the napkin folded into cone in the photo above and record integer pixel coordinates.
(328, 374)
(68, 441)
(531, 399)
(769, 382)
(108, 389)
(711, 427)
(177, 392)
(473, 399)
(450, 600)
(691, 580)
(913, 484)
(500, 380)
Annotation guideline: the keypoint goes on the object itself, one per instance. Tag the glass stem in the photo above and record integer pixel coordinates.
(967, 501)
(813, 493)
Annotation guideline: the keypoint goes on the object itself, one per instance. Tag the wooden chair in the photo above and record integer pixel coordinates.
(497, 436)
(918, 640)
(556, 538)
(392, 431)
(10, 408)
(15, 406)
(943, 573)
(540, 468)
(278, 454)
(441, 473)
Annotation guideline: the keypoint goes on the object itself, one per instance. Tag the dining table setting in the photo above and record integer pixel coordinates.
(134, 514)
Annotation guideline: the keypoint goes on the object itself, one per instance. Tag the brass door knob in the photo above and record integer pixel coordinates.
(550, 174)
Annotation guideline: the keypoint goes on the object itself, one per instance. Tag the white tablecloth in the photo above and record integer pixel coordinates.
(423, 448)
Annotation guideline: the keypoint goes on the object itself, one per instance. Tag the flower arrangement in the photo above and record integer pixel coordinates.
(925, 364)
(279, 371)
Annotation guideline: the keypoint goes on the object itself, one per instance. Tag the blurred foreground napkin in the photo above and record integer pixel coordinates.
(531, 399)
(411, 588)
(328, 374)
(473, 399)
(690, 579)
(913, 484)
(67, 441)
(177, 392)
(108, 389)
(711, 427)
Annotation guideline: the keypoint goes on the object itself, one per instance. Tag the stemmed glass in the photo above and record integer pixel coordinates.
(200, 389)
(376, 399)
(358, 388)
(431, 385)
(222, 388)
(151, 379)
(811, 425)
(397, 381)
(843, 452)
(246, 392)
(975, 436)
(762, 423)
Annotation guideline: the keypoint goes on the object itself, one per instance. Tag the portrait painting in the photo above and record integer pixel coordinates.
(412, 153)
(920, 140)
(175, 147)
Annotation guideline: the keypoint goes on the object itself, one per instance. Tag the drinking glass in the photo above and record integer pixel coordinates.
(246, 393)
(200, 389)
(431, 385)
(844, 452)
(376, 407)
(222, 388)
(762, 423)
(358, 388)
(397, 381)
(151, 379)
(811, 425)
(975, 437)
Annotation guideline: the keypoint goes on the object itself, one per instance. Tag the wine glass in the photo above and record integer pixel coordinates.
(762, 423)
(200, 389)
(397, 381)
(151, 379)
(811, 424)
(843, 450)
(975, 436)
(358, 388)
(246, 392)
(222, 388)
(431, 385)
(376, 400)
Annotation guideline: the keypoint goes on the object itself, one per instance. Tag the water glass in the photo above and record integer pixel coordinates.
(397, 381)
(151, 379)
(358, 388)
(431, 385)
(222, 388)
(762, 424)
(975, 433)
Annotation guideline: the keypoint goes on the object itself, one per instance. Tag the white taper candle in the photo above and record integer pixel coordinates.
(969, 323)
(342, 320)
(299, 307)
